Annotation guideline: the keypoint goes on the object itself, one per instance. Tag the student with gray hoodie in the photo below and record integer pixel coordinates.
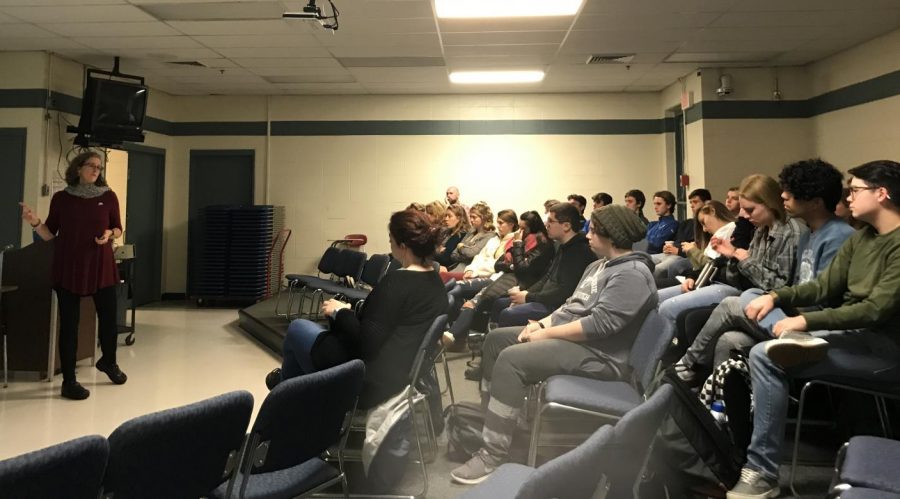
(590, 335)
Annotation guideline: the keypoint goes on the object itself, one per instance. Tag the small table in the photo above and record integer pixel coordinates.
(3, 291)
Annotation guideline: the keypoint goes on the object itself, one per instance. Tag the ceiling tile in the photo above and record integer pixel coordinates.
(397, 40)
(657, 6)
(39, 44)
(482, 50)
(311, 78)
(369, 51)
(279, 62)
(646, 21)
(390, 62)
(199, 11)
(24, 30)
(399, 75)
(321, 88)
(812, 5)
(29, 3)
(480, 61)
(78, 14)
(252, 27)
(256, 41)
(299, 71)
(503, 38)
(139, 42)
(610, 42)
(280, 52)
(152, 28)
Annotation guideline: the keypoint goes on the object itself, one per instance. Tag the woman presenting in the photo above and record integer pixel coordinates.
(84, 219)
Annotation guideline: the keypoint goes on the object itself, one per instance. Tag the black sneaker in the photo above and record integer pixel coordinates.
(473, 373)
(273, 378)
(112, 371)
(73, 390)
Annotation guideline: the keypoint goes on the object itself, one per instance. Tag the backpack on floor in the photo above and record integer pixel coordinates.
(465, 421)
(693, 453)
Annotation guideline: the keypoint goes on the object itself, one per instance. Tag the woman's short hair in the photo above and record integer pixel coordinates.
(72, 175)
(416, 206)
(487, 216)
(766, 191)
(413, 229)
(508, 216)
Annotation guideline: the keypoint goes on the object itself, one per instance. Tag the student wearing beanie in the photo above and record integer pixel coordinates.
(590, 335)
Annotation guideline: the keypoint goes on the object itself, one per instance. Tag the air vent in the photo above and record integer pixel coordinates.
(610, 59)
(188, 63)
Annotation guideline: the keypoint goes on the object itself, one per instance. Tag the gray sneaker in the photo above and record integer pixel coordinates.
(753, 485)
(473, 472)
(795, 348)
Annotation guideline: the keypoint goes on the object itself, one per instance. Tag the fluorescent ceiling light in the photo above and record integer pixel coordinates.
(494, 77)
(505, 8)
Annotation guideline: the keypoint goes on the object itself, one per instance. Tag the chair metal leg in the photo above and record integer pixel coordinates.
(5, 360)
(536, 425)
(447, 377)
(796, 450)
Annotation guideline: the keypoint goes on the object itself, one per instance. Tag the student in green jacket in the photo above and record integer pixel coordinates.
(855, 334)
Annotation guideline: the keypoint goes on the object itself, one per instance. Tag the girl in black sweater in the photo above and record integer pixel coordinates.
(388, 330)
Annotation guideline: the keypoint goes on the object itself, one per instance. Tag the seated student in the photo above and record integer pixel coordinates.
(673, 261)
(743, 230)
(715, 221)
(600, 200)
(635, 200)
(480, 273)
(579, 202)
(767, 264)
(811, 189)
(590, 335)
(523, 263)
(842, 210)
(456, 224)
(557, 284)
(854, 335)
(662, 230)
(481, 230)
(547, 204)
(388, 331)
(435, 212)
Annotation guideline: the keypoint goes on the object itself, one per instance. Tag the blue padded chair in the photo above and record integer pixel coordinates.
(298, 421)
(372, 272)
(610, 462)
(869, 462)
(72, 469)
(182, 452)
(348, 268)
(326, 266)
(863, 493)
(604, 399)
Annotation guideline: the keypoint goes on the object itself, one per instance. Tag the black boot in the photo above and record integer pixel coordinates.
(74, 391)
(112, 370)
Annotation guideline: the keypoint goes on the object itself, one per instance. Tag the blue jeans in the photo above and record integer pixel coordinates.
(519, 315)
(729, 316)
(864, 355)
(297, 348)
(672, 301)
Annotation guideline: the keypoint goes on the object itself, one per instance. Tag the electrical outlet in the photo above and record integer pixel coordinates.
(45, 190)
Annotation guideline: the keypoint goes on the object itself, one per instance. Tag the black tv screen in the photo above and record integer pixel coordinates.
(113, 111)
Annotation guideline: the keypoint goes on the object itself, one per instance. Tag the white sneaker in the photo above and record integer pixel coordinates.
(794, 348)
(752, 485)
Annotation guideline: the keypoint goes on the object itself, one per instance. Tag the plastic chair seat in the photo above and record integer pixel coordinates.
(614, 398)
(872, 462)
(288, 482)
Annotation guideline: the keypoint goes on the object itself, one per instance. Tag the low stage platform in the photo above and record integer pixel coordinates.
(260, 321)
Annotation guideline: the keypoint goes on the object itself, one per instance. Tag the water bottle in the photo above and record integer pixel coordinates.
(717, 409)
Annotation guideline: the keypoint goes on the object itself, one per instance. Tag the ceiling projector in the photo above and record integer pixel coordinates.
(311, 12)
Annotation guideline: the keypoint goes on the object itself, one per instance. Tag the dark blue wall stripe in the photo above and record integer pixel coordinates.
(881, 87)
(471, 127)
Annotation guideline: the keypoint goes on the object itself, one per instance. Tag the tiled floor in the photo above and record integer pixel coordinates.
(181, 355)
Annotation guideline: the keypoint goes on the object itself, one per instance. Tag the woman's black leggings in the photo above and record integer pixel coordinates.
(70, 316)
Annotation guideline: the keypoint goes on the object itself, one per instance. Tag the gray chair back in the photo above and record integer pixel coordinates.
(72, 469)
(182, 452)
(648, 348)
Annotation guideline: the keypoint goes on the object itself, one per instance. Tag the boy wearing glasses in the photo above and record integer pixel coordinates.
(855, 334)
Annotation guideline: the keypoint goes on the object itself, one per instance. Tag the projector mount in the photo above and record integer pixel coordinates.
(311, 12)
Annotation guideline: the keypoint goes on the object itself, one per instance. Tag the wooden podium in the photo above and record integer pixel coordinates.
(31, 311)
